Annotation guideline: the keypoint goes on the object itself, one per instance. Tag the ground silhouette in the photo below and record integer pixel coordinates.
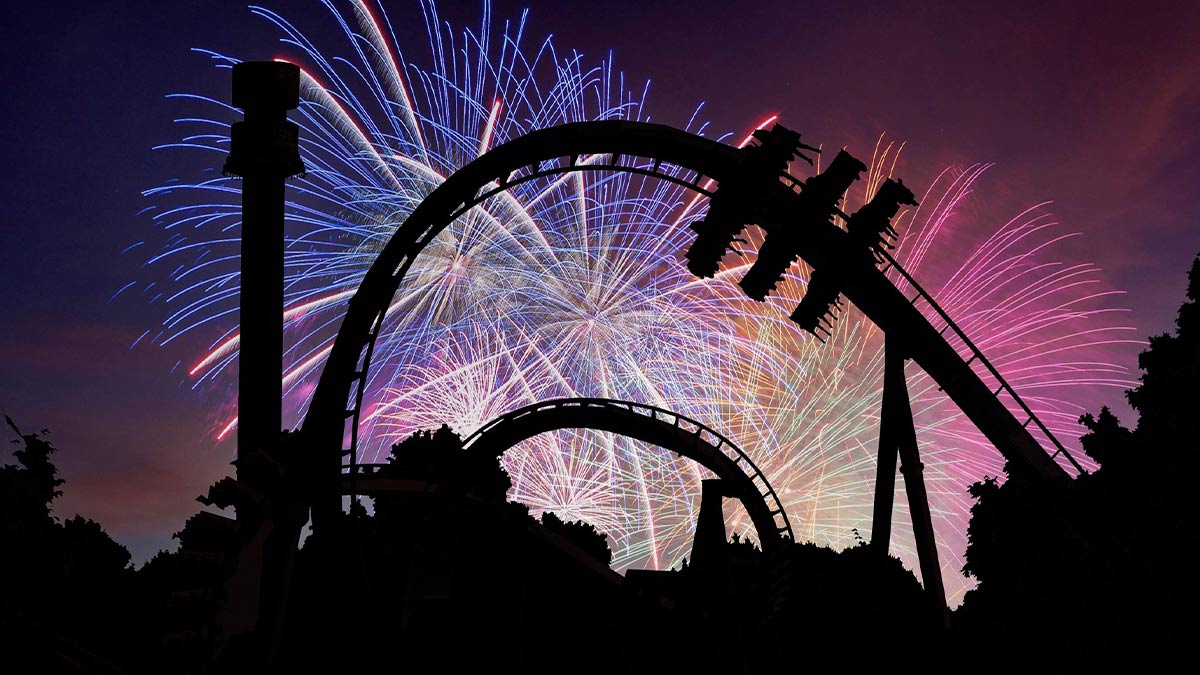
(448, 574)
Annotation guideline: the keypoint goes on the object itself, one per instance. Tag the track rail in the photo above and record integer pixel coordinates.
(977, 355)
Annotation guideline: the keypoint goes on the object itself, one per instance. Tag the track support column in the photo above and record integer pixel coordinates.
(885, 477)
(708, 549)
(898, 438)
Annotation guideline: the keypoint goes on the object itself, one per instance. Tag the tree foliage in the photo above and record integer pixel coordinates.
(584, 535)
(439, 456)
(69, 591)
(1100, 556)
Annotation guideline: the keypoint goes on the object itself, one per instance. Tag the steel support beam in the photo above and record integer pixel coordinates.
(885, 476)
(708, 546)
(898, 437)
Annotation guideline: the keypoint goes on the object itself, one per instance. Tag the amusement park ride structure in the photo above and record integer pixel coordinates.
(744, 186)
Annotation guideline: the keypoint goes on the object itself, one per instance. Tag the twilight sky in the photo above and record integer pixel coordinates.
(1095, 106)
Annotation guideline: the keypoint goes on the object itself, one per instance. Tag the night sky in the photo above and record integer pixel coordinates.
(1095, 106)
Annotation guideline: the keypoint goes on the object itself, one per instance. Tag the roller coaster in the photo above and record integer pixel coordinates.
(745, 186)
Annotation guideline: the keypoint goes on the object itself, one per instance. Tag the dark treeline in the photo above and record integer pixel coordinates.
(447, 573)
(1101, 560)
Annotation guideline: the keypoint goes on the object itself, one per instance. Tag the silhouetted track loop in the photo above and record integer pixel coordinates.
(657, 426)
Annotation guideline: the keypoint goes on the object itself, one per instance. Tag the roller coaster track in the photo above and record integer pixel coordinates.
(658, 426)
(977, 355)
(698, 164)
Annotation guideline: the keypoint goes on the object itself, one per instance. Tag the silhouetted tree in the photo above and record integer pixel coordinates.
(439, 456)
(28, 490)
(584, 535)
(1102, 556)
(1106, 442)
(70, 593)
(447, 561)
(743, 547)
(854, 599)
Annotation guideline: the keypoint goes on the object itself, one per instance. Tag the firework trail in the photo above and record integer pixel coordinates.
(574, 286)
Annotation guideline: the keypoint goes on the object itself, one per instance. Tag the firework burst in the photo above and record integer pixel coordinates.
(574, 286)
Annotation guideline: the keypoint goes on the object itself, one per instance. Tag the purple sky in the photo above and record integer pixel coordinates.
(1098, 111)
